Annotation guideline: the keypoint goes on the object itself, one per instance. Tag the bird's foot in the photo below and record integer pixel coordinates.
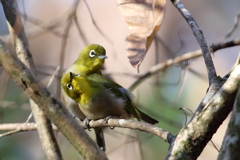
(86, 123)
(110, 117)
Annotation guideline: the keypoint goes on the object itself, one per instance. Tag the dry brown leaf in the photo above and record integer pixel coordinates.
(143, 18)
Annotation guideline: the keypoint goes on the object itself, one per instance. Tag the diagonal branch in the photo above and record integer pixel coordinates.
(52, 108)
(161, 66)
(234, 27)
(197, 32)
(21, 47)
(231, 143)
(187, 56)
(192, 139)
(231, 43)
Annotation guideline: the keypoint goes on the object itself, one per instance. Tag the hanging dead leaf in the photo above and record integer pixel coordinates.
(143, 18)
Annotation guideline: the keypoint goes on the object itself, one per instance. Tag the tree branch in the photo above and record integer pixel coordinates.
(185, 57)
(133, 124)
(216, 46)
(21, 47)
(234, 27)
(231, 143)
(161, 66)
(192, 139)
(122, 123)
(197, 32)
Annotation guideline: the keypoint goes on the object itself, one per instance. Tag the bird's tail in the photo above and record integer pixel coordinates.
(147, 118)
(100, 138)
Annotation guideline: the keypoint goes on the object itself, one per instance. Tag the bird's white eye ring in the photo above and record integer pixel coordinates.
(69, 86)
(92, 53)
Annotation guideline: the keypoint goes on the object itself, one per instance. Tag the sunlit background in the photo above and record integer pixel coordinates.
(161, 96)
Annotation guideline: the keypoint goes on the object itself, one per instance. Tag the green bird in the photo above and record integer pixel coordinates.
(89, 62)
(100, 97)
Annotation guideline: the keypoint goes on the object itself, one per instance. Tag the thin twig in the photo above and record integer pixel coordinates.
(161, 66)
(181, 83)
(214, 146)
(187, 56)
(69, 21)
(183, 109)
(53, 77)
(234, 27)
(81, 33)
(18, 128)
(49, 27)
(10, 133)
(231, 43)
(108, 39)
(29, 117)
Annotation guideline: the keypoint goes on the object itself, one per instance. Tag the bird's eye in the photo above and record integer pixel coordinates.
(92, 53)
(69, 86)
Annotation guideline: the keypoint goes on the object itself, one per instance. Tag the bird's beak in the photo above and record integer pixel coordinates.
(71, 76)
(103, 57)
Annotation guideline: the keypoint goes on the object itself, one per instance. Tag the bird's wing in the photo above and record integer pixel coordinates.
(123, 93)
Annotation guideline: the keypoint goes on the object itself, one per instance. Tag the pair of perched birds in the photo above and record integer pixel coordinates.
(88, 94)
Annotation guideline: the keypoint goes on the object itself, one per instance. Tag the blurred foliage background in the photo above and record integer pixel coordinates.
(161, 96)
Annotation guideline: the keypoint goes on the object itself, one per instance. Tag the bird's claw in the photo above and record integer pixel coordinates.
(86, 123)
(110, 117)
(111, 127)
